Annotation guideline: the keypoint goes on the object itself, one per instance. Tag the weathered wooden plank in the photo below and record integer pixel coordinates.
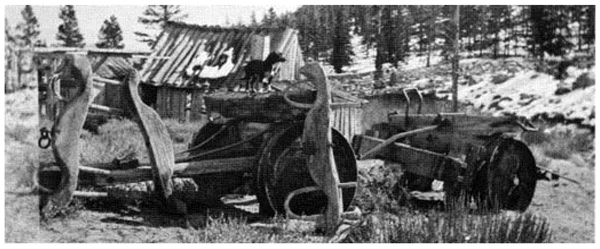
(115, 111)
(102, 177)
(107, 81)
(175, 35)
(163, 65)
(67, 127)
(167, 35)
(197, 102)
(154, 131)
(184, 44)
(461, 124)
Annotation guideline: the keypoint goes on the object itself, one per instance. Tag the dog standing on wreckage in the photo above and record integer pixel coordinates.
(257, 70)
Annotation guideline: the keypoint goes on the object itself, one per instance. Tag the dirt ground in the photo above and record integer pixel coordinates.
(568, 206)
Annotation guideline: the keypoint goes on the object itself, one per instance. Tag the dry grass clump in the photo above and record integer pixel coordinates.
(560, 142)
(119, 138)
(451, 227)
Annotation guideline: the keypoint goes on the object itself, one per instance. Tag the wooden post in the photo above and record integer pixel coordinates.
(66, 130)
(455, 56)
(317, 142)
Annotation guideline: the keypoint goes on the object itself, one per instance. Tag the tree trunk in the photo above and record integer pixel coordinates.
(455, 60)
(496, 44)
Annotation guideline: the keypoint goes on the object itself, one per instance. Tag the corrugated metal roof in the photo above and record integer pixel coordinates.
(179, 43)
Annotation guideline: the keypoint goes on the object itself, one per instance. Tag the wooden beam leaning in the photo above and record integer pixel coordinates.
(65, 135)
(154, 131)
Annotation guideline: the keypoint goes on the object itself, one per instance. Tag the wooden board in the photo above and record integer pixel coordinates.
(154, 131)
(462, 124)
(102, 177)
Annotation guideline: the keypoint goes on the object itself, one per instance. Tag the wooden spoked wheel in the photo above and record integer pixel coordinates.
(282, 169)
(508, 179)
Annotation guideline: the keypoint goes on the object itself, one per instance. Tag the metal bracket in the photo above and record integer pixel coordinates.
(408, 102)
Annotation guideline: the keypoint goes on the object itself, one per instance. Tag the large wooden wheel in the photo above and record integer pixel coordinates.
(282, 169)
(508, 179)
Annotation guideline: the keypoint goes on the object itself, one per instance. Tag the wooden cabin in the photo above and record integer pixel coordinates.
(176, 90)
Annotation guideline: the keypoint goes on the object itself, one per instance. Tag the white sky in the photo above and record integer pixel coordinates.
(91, 17)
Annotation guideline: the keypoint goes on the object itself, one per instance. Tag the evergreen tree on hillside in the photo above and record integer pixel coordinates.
(68, 32)
(366, 23)
(393, 35)
(155, 17)
(306, 17)
(29, 29)
(589, 25)
(253, 20)
(110, 34)
(342, 49)
(269, 19)
(498, 15)
(286, 20)
(550, 31)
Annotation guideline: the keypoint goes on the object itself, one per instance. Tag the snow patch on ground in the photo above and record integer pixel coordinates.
(530, 93)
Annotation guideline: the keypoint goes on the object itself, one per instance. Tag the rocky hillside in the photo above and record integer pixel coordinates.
(506, 85)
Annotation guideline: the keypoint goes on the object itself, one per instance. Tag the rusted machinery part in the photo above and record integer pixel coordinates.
(282, 169)
(508, 178)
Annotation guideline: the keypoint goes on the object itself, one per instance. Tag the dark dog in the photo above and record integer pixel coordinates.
(257, 70)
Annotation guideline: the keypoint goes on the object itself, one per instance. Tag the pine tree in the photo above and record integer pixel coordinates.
(155, 17)
(269, 19)
(68, 31)
(498, 14)
(342, 49)
(253, 21)
(550, 30)
(110, 34)
(29, 29)
(589, 25)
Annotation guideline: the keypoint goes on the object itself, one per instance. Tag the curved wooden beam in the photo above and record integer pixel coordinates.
(317, 142)
(156, 136)
(66, 130)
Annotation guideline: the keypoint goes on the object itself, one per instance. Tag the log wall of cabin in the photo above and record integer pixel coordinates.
(172, 103)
